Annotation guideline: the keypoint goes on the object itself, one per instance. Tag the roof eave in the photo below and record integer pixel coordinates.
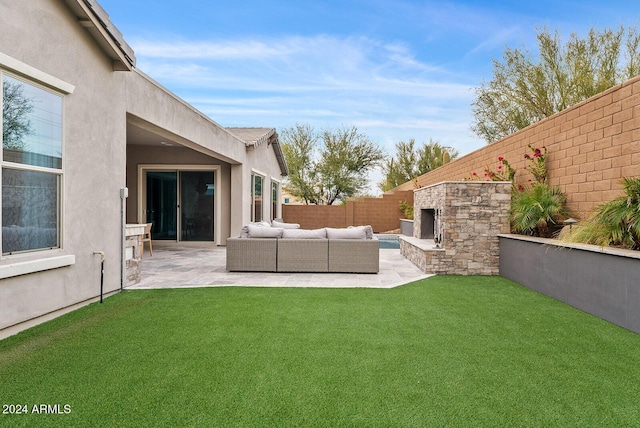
(266, 135)
(93, 17)
(277, 149)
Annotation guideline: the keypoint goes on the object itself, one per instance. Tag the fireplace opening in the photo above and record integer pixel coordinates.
(427, 223)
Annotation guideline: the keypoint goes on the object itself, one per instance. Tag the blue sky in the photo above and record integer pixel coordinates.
(394, 69)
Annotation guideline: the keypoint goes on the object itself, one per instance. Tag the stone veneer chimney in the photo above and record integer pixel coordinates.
(467, 218)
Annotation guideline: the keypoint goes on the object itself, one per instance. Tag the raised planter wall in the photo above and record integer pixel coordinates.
(604, 282)
(406, 227)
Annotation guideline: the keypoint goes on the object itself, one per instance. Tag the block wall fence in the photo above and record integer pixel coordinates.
(591, 147)
(383, 214)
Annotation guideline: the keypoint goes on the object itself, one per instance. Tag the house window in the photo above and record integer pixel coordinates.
(31, 166)
(256, 197)
(274, 200)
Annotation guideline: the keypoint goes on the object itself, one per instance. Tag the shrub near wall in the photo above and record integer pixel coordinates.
(591, 145)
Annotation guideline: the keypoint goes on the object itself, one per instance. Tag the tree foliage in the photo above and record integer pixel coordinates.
(329, 166)
(525, 89)
(616, 222)
(16, 108)
(534, 208)
(410, 162)
(299, 146)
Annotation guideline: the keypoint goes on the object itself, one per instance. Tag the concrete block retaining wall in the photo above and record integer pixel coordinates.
(604, 282)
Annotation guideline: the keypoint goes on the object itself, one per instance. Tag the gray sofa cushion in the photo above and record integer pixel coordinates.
(264, 232)
(304, 234)
(285, 225)
(244, 232)
(352, 233)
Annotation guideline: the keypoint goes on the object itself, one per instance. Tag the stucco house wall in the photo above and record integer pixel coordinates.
(46, 35)
(69, 47)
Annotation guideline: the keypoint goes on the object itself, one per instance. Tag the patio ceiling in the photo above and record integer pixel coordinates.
(142, 133)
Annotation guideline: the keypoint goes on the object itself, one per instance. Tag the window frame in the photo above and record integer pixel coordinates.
(36, 260)
(58, 173)
(275, 199)
(255, 174)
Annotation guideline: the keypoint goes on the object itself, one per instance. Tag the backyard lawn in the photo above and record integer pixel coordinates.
(446, 351)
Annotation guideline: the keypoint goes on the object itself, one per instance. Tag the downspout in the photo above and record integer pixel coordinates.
(101, 254)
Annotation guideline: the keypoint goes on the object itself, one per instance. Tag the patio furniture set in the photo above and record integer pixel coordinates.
(284, 247)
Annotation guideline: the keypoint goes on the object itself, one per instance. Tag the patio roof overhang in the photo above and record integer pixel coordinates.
(143, 133)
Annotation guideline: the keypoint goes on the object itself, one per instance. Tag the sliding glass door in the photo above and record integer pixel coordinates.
(181, 205)
(162, 203)
(197, 205)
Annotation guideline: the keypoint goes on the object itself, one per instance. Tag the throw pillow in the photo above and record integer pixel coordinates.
(368, 230)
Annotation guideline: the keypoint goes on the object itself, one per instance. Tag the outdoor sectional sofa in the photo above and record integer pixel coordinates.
(287, 249)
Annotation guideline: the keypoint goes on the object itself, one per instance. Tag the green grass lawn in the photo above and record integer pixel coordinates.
(446, 351)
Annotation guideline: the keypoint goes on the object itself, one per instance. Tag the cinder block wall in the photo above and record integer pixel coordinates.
(591, 145)
(383, 214)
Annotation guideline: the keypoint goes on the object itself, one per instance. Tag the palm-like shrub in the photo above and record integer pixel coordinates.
(616, 222)
(535, 207)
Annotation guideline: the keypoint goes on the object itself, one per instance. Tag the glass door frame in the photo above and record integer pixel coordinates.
(177, 168)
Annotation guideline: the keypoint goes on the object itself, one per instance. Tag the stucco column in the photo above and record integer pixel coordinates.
(240, 203)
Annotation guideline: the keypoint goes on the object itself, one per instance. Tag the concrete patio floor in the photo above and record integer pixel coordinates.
(177, 265)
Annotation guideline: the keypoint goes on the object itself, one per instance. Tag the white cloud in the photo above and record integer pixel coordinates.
(323, 80)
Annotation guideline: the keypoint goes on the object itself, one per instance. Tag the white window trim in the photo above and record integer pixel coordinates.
(262, 175)
(278, 213)
(32, 73)
(40, 259)
(23, 268)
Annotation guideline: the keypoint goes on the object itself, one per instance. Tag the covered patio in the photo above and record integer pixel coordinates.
(182, 266)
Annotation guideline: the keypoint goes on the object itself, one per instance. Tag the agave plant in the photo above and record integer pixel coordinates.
(616, 222)
(535, 207)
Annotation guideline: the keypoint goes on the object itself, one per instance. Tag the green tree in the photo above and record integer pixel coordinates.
(525, 89)
(299, 144)
(410, 162)
(15, 115)
(330, 166)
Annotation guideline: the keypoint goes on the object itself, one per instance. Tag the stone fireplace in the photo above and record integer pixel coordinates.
(427, 223)
(466, 217)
